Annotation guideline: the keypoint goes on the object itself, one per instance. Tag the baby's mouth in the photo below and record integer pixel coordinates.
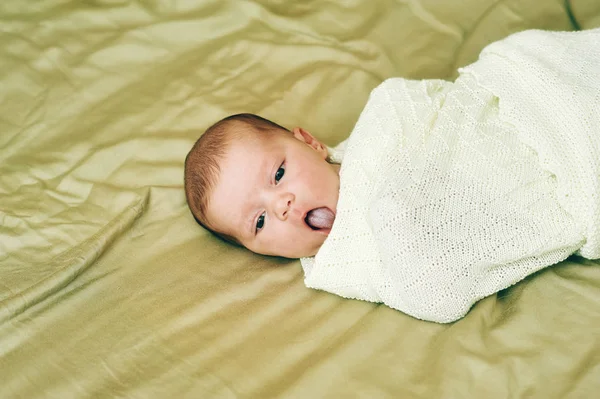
(320, 218)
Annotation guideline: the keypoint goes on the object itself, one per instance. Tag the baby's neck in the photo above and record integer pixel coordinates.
(336, 167)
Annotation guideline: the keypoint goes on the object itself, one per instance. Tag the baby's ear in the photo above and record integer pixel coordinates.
(310, 140)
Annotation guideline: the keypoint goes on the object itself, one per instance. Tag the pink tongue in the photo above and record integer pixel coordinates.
(320, 218)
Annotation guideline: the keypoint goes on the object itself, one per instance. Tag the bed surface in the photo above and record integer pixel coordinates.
(108, 288)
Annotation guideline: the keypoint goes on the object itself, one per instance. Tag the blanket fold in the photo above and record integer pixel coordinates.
(452, 191)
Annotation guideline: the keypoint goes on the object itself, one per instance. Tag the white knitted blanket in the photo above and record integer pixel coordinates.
(451, 192)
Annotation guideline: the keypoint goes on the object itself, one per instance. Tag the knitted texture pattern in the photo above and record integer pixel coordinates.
(452, 191)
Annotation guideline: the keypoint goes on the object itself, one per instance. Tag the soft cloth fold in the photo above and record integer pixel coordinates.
(452, 191)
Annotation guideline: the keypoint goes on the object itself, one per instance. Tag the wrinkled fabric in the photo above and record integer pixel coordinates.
(108, 288)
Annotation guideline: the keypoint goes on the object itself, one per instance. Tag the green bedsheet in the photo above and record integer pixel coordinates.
(108, 288)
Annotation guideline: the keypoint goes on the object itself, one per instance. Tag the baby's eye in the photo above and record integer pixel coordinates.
(260, 222)
(279, 174)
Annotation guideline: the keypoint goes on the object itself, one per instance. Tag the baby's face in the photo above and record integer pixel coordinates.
(266, 187)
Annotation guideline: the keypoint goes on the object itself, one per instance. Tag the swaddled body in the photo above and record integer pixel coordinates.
(450, 192)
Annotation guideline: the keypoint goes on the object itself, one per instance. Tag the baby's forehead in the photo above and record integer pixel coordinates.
(246, 151)
(247, 141)
(229, 199)
(238, 171)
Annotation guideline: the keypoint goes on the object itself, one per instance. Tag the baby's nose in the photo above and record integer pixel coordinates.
(283, 206)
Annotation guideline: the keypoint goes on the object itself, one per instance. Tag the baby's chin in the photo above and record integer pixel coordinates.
(293, 252)
(308, 252)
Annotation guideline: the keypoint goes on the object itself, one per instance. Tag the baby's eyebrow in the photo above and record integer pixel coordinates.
(249, 223)
(249, 220)
(248, 208)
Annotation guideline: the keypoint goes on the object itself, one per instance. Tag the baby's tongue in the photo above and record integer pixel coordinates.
(320, 218)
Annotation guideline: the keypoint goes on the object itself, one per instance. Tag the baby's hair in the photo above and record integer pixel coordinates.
(202, 170)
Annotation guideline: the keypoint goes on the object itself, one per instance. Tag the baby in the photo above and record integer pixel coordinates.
(255, 183)
(444, 192)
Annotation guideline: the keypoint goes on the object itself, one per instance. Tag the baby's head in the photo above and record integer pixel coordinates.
(255, 183)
